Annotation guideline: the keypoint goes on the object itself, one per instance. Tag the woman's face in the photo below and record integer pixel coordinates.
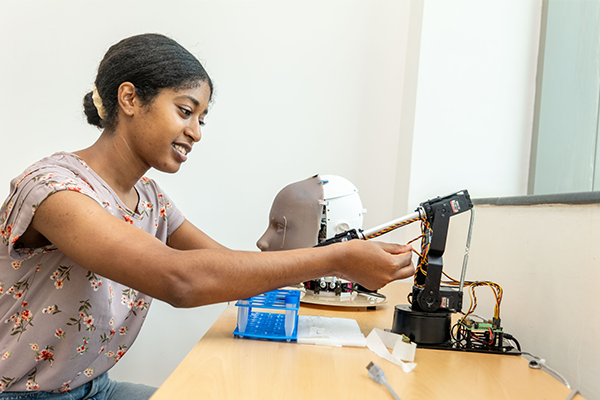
(295, 217)
(162, 133)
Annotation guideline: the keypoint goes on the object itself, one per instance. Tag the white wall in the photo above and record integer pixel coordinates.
(545, 258)
(474, 110)
(348, 87)
(302, 87)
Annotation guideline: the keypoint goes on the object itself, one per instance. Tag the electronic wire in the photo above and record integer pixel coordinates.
(482, 340)
(377, 374)
(391, 228)
(540, 363)
(426, 234)
(421, 270)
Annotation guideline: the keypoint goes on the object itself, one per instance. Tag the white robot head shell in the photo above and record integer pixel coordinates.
(342, 208)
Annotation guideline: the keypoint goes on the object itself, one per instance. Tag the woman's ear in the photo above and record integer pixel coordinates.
(126, 96)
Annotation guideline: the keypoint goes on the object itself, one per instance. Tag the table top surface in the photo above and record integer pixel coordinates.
(223, 367)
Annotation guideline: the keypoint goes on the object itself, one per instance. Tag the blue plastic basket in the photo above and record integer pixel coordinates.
(281, 324)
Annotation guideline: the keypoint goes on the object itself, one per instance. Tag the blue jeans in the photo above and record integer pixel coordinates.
(100, 388)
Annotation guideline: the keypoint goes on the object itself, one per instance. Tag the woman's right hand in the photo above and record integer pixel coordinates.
(373, 264)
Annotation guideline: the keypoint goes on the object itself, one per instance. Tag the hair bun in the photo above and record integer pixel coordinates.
(90, 111)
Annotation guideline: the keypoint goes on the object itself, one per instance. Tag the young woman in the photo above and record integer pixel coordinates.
(80, 260)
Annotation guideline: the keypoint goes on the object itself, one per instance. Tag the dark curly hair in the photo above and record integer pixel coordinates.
(150, 62)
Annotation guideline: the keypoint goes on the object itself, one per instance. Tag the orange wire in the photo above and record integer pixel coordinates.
(425, 245)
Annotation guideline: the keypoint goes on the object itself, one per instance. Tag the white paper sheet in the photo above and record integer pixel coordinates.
(329, 331)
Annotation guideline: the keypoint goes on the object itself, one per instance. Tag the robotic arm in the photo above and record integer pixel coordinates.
(427, 293)
(427, 320)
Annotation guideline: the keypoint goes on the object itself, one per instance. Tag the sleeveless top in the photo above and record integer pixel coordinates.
(62, 325)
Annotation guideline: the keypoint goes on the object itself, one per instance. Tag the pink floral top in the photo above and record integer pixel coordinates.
(62, 325)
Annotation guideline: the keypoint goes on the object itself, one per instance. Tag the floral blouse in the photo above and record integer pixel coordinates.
(62, 325)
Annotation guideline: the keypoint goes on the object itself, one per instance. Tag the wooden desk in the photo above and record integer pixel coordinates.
(223, 367)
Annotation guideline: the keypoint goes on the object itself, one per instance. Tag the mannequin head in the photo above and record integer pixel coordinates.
(342, 210)
(307, 212)
(295, 217)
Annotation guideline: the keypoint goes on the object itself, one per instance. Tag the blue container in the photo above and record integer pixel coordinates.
(279, 324)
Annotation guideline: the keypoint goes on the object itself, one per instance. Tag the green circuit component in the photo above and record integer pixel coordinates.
(480, 326)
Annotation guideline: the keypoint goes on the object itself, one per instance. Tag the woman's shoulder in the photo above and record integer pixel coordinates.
(61, 160)
(58, 169)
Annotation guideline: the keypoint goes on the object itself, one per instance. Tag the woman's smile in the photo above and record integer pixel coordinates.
(181, 151)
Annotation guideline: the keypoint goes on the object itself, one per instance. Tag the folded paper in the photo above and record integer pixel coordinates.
(379, 341)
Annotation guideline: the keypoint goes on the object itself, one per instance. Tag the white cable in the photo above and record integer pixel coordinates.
(540, 363)
(552, 371)
(377, 374)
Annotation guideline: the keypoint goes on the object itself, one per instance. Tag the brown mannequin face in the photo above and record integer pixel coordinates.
(295, 217)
